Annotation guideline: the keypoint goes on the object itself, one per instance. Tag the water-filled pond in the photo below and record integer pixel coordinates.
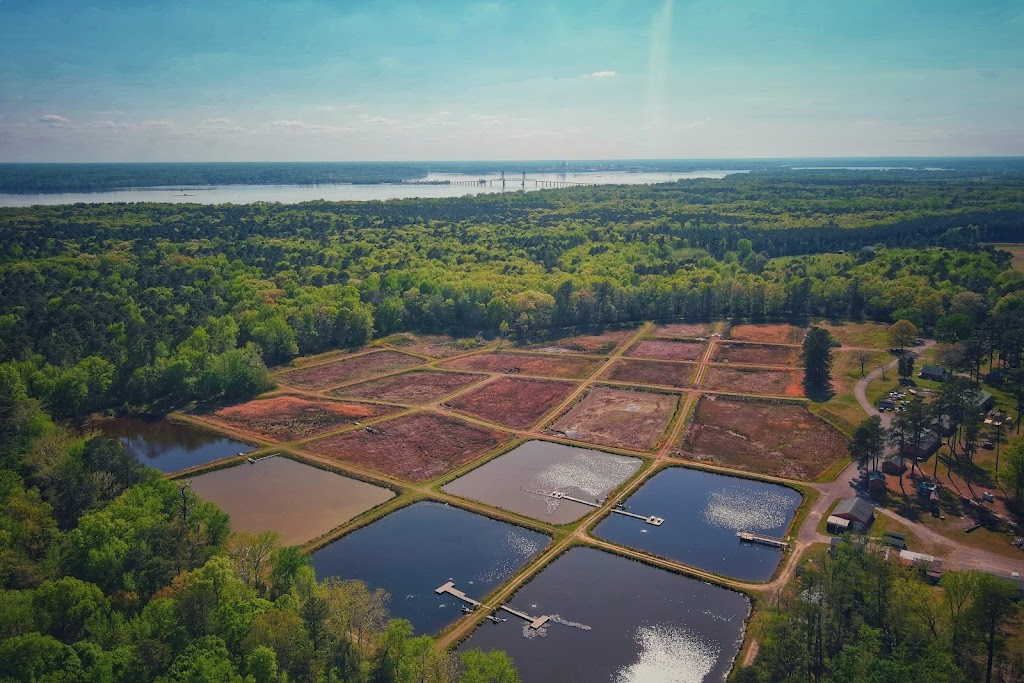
(510, 481)
(169, 446)
(298, 500)
(411, 552)
(617, 620)
(703, 512)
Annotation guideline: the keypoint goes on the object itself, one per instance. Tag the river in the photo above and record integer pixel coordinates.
(293, 194)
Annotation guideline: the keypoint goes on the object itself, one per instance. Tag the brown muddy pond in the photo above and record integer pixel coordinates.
(299, 501)
(511, 481)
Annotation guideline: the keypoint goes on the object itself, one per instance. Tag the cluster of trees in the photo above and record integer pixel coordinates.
(124, 288)
(108, 572)
(955, 411)
(817, 357)
(856, 616)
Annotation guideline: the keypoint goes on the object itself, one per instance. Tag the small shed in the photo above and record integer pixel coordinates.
(876, 481)
(984, 400)
(934, 373)
(837, 525)
(857, 510)
(894, 465)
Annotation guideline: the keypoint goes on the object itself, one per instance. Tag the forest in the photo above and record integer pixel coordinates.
(154, 305)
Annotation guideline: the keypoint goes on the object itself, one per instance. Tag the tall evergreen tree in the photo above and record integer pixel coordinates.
(817, 361)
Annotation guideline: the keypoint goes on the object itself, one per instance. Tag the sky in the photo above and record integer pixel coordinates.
(348, 80)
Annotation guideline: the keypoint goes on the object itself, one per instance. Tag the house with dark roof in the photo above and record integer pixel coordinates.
(934, 373)
(857, 510)
(929, 444)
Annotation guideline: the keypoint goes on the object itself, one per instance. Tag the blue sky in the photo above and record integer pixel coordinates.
(394, 80)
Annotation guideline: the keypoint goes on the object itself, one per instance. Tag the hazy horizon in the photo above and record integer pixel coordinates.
(487, 80)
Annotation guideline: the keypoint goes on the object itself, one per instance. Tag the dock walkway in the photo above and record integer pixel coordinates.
(535, 622)
(559, 495)
(751, 537)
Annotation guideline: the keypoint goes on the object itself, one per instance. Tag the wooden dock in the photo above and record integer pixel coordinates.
(559, 495)
(535, 622)
(751, 537)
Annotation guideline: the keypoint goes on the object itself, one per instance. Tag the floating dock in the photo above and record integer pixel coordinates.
(751, 537)
(535, 622)
(559, 495)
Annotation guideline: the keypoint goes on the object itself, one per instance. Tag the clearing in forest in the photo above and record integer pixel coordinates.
(626, 418)
(683, 330)
(756, 354)
(676, 375)
(347, 370)
(418, 386)
(413, 447)
(666, 349)
(289, 418)
(862, 335)
(516, 402)
(780, 439)
(543, 365)
(750, 380)
(768, 333)
(594, 344)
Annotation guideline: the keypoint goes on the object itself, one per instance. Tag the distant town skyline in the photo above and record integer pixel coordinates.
(308, 80)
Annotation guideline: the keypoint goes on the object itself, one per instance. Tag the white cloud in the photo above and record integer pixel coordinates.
(325, 107)
(288, 124)
(600, 74)
(53, 120)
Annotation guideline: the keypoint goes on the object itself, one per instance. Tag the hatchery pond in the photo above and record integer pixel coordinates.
(299, 501)
(518, 480)
(703, 514)
(168, 446)
(614, 619)
(411, 552)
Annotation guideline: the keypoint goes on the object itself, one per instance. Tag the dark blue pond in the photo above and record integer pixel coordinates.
(617, 620)
(703, 512)
(169, 446)
(411, 552)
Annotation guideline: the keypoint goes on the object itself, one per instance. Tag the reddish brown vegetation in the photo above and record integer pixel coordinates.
(678, 375)
(513, 401)
(683, 330)
(419, 386)
(288, 418)
(757, 354)
(348, 369)
(619, 417)
(666, 349)
(435, 346)
(769, 334)
(415, 447)
(747, 380)
(597, 344)
(527, 364)
(769, 438)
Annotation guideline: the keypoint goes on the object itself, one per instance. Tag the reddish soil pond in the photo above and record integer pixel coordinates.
(666, 349)
(782, 439)
(289, 418)
(414, 447)
(347, 370)
(767, 333)
(757, 354)
(597, 344)
(299, 501)
(419, 386)
(683, 330)
(677, 375)
(749, 380)
(516, 402)
(619, 417)
(561, 367)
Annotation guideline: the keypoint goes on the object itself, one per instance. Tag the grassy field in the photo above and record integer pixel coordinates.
(1018, 253)
(862, 335)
